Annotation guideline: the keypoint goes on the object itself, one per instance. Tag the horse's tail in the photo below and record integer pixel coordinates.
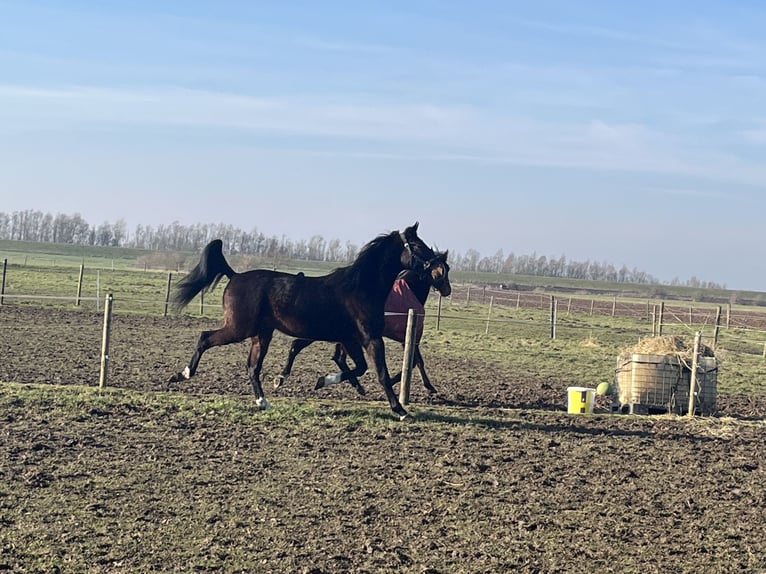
(212, 267)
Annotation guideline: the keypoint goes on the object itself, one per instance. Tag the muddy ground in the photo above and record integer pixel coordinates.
(493, 476)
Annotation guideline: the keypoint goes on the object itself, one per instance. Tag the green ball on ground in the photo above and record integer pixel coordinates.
(604, 389)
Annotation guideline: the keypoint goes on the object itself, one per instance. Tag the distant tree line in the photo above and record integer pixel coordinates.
(33, 225)
(73, 229)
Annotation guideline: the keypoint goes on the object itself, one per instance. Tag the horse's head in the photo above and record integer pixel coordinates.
(416, 254)
(438, 270)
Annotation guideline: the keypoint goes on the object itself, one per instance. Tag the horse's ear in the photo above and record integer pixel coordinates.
(411, 232)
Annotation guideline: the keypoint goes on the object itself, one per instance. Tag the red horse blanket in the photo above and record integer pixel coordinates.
(400, 300)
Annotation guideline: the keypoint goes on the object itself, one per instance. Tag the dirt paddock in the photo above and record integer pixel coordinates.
(493, 475)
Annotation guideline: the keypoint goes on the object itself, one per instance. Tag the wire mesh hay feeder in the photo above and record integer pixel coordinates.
(655, 375)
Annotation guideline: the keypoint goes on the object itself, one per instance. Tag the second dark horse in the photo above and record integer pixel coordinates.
(419, 281)
(345, 306)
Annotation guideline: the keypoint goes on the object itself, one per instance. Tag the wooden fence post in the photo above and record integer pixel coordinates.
(167, 293)
(439, 313)
(614, 306)
(728, 315)
(717, 325)
(105, 341)
(489, 314)
(2, 286)
(409, 353)
(468, 297)
(693, 378)
(79, 286)
(553, 317)
(660, 318)
(201, 302)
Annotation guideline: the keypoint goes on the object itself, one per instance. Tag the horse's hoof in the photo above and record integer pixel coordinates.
(320, 384)
(278, 381)
(184, 375)
(406, 418)
(263, 404)
(361, 390)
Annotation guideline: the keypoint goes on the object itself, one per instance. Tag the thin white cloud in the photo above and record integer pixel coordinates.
(425, 131)
(755, 135)
(687, 192)
(613, 34)
(336, 46)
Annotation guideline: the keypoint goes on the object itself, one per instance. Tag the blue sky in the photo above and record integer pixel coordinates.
(631, 133)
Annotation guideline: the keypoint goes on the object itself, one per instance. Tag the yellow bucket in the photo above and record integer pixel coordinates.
(580, 400)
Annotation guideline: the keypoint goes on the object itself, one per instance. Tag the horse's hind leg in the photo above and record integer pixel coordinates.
(339, 356)
(376, 351)
(346, 374)
(297, 346)
(258, 350)
(418, 362)
(207, 339)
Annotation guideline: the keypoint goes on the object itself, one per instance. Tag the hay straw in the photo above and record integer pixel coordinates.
(669, 345)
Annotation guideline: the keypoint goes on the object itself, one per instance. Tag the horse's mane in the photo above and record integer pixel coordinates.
(366, 264)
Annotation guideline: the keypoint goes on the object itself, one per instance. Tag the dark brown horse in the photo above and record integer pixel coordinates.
(420, 281)
(345, 306)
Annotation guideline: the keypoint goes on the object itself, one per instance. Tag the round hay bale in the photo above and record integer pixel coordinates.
(656, 373)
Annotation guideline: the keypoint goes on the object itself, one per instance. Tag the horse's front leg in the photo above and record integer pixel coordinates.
(376, 351)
